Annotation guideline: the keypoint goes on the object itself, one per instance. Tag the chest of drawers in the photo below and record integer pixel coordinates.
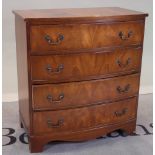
(78, 72)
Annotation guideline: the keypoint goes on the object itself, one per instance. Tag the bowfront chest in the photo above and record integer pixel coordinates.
(78, 72)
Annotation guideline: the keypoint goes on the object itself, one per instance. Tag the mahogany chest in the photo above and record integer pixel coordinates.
(78, 72)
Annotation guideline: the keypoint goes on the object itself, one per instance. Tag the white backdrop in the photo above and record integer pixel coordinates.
(9, 88)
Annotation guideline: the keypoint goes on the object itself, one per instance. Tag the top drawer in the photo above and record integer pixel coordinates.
(58, 38)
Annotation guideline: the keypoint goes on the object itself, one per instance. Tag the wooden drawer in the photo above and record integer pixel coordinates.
(67, 95)
(73, 120)
(76, 67)
(46, 38)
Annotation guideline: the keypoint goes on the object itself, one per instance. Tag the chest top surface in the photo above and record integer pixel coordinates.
(104, 13)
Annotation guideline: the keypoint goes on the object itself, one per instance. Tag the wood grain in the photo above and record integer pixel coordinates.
(84, 118)
(85, 36)
(22, 71)
(79, 14)
(84, 93)
(85, 66)
(37, 142)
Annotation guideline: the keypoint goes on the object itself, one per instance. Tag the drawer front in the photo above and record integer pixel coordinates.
(76, 67)
(73, 120)
(66, 95)
(60, 38)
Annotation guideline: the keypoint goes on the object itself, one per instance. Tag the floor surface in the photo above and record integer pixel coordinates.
(15, 139)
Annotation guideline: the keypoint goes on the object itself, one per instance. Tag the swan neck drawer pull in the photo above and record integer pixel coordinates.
(56, 70)
(125, 90)
(121, 113)
(120, 64)
(125, 37)
(51, 100)
(55, 125)
(58, 40)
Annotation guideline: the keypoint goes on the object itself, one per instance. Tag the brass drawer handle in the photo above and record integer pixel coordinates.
(56, 70)
(125, 37)
(121, 90)
(50, 41)
(121, 113)
(120, 64)
(57, 125)
(51, 100)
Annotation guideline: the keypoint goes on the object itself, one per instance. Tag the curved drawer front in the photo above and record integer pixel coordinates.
(58, 96)
(59, 38)
(73, 120)
(76, 67)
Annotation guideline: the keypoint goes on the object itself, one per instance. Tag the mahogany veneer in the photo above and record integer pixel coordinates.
(78, 72)
(85, 36)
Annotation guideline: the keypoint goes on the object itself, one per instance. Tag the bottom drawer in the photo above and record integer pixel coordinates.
(78, 119)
